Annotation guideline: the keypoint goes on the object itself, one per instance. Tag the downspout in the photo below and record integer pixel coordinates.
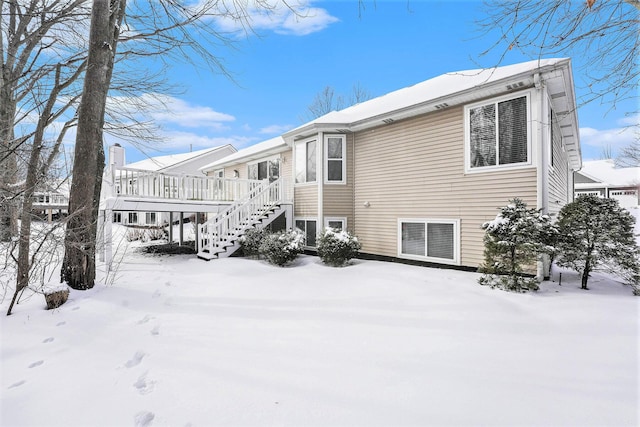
(320, 179)
(541, 169)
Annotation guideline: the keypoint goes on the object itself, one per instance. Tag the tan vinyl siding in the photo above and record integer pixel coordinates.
(559, 186)
(306, 200)
(415, 169)
(338, 198)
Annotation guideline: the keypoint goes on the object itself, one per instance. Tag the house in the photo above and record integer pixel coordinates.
(414, 173)
(51, 200)
(603, 178)
(173, 168)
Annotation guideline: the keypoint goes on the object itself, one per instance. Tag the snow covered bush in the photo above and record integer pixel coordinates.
(281, 247)
(597, 234)
(512, 242)
(336, 248)
(251, 240)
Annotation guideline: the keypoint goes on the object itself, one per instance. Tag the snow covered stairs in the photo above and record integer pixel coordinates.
(219, 237)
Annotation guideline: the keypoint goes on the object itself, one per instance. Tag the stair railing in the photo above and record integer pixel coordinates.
(240, 215)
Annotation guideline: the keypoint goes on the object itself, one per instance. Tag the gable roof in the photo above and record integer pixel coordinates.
(163, 163)
(262, 149)
(605, 173)
(457, 88)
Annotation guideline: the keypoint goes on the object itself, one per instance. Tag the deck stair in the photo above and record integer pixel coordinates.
(219, 237)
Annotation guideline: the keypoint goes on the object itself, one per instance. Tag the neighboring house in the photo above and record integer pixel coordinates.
(51, 200)
(601, 177)
(414, 173)
(170, 167)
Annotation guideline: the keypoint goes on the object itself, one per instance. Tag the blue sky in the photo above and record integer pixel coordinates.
(383, 47)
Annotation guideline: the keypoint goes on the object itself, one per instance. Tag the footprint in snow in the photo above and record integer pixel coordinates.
(38, 363)
(75, 308)
(156, 294)
(143, 419)
(61, 323)
(46, 340)
(143, 385)
(135, 361)
(155, 330)
(167, 283)
(144, 320)
(18, 384)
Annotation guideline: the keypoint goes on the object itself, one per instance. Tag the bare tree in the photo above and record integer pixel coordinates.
(327, 101)
(169, 28)
(604, 33)
(629, 156)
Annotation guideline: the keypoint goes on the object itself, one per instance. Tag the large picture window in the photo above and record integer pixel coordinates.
(335, 165)
(498, 133)
(429, 240)
(305, 161)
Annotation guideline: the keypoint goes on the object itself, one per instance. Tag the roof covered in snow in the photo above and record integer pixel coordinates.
(604, 173)
(261, 149)
(159, 163)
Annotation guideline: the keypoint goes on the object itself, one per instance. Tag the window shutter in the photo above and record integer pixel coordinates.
(512, 128)
(440, 240)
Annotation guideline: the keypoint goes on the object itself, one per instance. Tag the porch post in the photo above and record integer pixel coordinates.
(108, 253)
(197, 232)
(170, 227)
(181, 231)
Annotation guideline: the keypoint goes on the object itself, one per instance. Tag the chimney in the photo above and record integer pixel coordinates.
(116, 156)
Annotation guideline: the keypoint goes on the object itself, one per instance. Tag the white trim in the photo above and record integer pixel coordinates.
(343, 139)
(307, 218)
(264, 159)
(467, 133)
(456, 240)
(342, 219)
(295, 159)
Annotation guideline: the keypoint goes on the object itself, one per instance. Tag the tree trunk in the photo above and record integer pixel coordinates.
(586, 272)
(79, 265)
(8, 162)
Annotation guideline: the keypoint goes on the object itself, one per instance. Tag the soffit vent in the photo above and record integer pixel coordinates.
(388, 121)
(441, 106)
(515, 86)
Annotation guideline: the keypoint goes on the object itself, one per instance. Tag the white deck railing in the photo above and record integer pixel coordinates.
(244, 213)
(148, 184)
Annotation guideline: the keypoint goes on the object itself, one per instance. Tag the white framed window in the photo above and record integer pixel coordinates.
(264, 169)
(306, 161)
(132, 218)
(498, 134)
(219, 173)
(150, 217)
(117, 217)
(427, 239)
(337, 223)
(588, 192)
(335, 165)
(308, 226)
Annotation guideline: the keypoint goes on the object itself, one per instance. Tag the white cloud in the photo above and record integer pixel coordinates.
(282, 18)
(614, 138)
(275, 129)
(169, 110)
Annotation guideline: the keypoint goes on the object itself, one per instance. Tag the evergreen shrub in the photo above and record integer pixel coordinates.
(282, 247)
(336, 248)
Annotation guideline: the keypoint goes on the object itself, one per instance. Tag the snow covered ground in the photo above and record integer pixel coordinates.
(176, 341)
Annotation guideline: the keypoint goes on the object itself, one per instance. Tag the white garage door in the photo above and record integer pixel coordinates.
(626, 198)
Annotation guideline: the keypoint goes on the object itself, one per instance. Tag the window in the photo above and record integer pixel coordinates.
(498, 133)
(150, 217)
(117, 217)
(309, 229)
(305, 161)
(133, 218)
(335, 223)
(429, 240)
(335, 165)
(266, 169)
